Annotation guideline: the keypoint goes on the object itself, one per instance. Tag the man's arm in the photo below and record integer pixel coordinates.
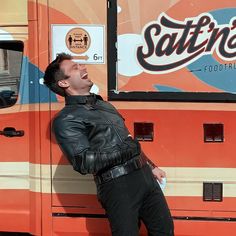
(73, 141)
(157, 172)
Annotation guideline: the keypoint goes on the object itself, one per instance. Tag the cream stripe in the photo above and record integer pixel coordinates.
(180, 182)
(180, 106)
(14, 175)
(66, 180)
(129, 105)
(189, 181)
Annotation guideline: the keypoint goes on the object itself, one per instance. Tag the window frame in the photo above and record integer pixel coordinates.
(7, 98)
(115, 95)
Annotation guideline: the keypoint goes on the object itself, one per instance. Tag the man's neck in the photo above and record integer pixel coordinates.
(82, 93)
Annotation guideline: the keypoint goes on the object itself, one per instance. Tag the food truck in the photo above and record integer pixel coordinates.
(169, 67)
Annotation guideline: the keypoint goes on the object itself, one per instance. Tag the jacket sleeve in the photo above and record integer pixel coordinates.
(74, 143)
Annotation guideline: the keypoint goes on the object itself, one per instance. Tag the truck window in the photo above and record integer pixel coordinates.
(147, 62)
(11, 53)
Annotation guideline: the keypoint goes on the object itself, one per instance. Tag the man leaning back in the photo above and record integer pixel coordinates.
(92, 135)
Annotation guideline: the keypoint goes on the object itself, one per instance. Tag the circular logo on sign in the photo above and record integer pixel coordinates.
(78, 40)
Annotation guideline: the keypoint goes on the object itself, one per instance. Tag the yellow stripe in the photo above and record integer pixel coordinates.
(14, 175)
(127, 105)
(188, 106)
(189, 181)
(63, 179)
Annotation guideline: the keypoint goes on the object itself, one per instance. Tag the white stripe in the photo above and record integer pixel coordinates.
(63, 179)
(66, 180)
(14, 175)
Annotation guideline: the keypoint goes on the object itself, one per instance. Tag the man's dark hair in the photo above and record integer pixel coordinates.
(53, 74)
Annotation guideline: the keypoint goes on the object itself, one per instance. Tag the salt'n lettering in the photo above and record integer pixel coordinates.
(170, 45)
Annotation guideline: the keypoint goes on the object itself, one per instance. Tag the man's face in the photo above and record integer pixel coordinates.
(78, 81)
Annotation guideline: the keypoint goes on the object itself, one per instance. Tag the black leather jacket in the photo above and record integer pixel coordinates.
(92, 135)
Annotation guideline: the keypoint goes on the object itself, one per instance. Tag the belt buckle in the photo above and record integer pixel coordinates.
(119, 171)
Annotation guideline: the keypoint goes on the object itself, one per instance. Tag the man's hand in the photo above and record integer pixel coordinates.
(159, 174)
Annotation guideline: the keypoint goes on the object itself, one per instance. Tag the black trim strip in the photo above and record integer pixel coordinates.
(13, 25)
(197, 218)
(14, 45)
(80, 215)
(191, 218)
(111, 42)
(172, 97)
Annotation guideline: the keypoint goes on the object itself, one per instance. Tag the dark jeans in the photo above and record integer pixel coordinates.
(133, 197)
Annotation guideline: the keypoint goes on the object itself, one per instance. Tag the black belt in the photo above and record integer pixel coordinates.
(117, 171)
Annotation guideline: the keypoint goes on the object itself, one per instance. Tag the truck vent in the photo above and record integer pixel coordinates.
(213, 133)
(143, 131)
(213, 192)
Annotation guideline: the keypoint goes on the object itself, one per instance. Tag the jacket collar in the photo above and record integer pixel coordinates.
(79, 99)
